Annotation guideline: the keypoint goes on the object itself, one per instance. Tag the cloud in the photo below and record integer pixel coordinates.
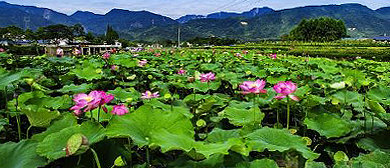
(177, 8)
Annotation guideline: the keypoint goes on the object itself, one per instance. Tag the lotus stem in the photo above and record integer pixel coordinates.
(6, 101)
(19, 130)
(28, 129)
(96, 158)
(288, 113)
(98, 115)
(147, 156)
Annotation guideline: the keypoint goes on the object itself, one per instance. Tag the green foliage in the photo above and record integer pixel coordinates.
(278, 140)
(154, 127)
(20, 155)
(321, 29)
(54, 144)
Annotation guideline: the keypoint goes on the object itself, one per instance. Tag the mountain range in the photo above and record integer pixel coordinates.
(256, 24)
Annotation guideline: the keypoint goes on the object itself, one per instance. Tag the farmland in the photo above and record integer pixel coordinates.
(241, 106)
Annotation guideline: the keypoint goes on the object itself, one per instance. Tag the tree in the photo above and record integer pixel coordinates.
(55, 32)
(78, 30)
(320, 29)
(111, 35)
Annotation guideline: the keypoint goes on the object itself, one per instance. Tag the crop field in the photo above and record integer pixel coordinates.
(187, 108)
(342, 49)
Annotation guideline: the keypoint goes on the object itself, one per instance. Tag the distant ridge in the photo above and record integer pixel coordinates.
(260, 23)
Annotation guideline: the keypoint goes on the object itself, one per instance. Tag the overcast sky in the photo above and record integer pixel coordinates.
(177, 8)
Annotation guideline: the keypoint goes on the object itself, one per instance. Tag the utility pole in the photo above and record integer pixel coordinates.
(178, 37)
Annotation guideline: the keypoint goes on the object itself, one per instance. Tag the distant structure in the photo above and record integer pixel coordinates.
(86, 49)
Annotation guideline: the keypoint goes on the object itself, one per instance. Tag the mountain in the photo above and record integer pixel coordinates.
(224, 15)
(276, 23)
(384, 11)
(187, 18)
(124, 20)
(85, 15)
(256, 24)
(257, 12)
(31, 16)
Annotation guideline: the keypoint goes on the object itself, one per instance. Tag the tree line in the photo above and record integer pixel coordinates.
(60, 32)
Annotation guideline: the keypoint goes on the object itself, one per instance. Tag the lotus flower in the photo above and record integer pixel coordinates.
(2, 50)
(90, 101)
(157, 54)
(238, 55)
(207, 77)
(255, 87)
(106, 55)
(114, 68)
(181, 72)
(119, 110)
(142, 63)
(274, 56)
(149, 95)
(285, 89)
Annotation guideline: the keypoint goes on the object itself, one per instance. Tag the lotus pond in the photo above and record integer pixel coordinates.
(193, 108)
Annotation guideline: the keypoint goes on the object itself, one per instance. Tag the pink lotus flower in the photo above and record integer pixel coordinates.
(157, 54)
(91, 101)
(255, 87)
(285, 89)
(149, 95)
(142, 63)
(114, 68)
(274, 56)
(181, 72)
(207, 77)
(238, 55)
(2, 50)
(106, 55)
(119, 110)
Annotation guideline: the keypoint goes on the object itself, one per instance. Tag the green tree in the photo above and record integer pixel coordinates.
(78, 30)
(320, 29)
(111, 35)
(55, 32)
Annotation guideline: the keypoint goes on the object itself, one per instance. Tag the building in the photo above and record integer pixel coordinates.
(86, 49)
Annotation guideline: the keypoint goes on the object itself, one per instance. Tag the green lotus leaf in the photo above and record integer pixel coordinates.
(54, 145)
(263, 163)
(40, 117)
(220, 135)
(152, 126)
(328, 125)
(380, 94)
(376, 141)
(376, 159)
(20, 155)
(124, 61)
(208, 149)
(87, 72)
(243, 117)
(278, 140)
(8, 78)
(83, 88)
(313, 164)
(340, 156)
(204, 86)
(123, 95)
(67, 120)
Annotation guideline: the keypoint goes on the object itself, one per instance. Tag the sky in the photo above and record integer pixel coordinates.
(177, 8)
